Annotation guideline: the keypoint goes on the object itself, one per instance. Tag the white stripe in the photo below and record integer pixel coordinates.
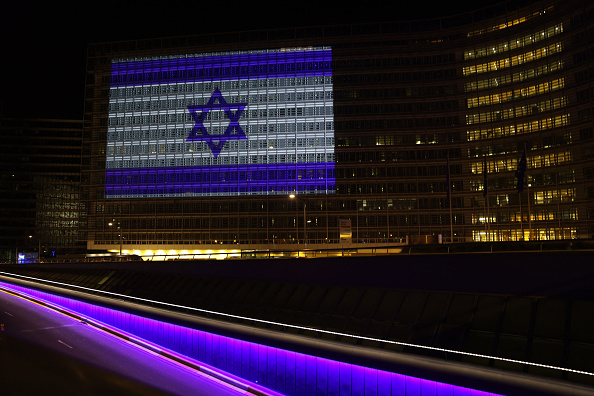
(63, 343)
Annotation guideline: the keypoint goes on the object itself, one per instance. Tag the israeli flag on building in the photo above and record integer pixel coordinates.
(242, 123)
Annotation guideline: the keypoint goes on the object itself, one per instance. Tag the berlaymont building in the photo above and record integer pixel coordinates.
(472, 127)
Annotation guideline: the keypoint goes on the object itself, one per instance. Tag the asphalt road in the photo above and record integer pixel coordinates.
(44, 352)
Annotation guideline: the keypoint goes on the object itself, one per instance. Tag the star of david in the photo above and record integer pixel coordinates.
(233, 131)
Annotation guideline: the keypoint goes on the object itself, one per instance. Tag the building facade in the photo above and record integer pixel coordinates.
(409, 131)
(40, 174)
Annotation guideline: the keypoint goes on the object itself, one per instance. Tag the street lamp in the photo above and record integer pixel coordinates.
(293, 196)
(120, 229)
(38, 247)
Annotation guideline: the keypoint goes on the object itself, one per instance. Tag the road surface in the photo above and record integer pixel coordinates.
(45, 352)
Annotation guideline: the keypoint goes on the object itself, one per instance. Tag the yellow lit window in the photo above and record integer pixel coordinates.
(507, 24)
(514, 60)
(514, 43)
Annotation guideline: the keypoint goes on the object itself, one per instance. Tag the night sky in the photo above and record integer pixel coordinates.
(44, 44)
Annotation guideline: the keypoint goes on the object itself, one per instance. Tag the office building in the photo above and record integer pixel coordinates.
(39, 192)
(472, 127)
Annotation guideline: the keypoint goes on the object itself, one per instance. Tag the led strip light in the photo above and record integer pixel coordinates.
(226, 379)
(406, 344)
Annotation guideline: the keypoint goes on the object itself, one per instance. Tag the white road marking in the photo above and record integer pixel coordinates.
(63, 343)
(49, 328)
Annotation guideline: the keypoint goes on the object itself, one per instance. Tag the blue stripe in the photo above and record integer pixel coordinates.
(227, 67)
(220, 61)
(223, 179)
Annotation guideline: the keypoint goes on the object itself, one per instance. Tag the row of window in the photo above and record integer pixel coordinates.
(519, 111)
(391, 155)
(241, 145)
(183, 116)
(157, 134)
(198, 215)
(391, 204)
(395, 77)
(213, 208)
(516, 94)
(585, 95)
(510, 23)
(554, 196)
(535, 180)
(280, 52)
(514, 43)
(63, 214)
(213, 71)
(140, 104)
(392, 62)
(536, 142)
(226, 176)
(209, 86)
(534, 161)
(514, 77)
(397, 140)
(583, 56)
(48, 208)
(549, 178)
(538, 234)
(521, 128)
(221, 160)
(369, 173)
(584, 75)
(388, 93)
(535, 215)
(400, 188)
(513, 60)
(222, 191)
(389, 108)
(57, 198)
(68, 226)
(408, 123)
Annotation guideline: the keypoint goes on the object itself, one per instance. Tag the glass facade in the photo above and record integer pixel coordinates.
(418, 129)
(39, 189)
(245, 123)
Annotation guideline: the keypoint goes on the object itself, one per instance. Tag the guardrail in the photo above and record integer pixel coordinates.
(274, 356)
(322, 250)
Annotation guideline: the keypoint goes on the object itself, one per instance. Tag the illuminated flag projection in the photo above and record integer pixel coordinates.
(242, 123)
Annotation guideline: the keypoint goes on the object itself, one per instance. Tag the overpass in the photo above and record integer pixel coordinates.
(503, 323)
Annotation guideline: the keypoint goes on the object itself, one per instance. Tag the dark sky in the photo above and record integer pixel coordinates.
(44, 44)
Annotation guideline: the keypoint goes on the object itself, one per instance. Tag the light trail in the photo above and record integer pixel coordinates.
(336, 333)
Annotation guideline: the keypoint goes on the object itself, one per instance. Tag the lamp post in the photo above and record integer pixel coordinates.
(120, 230)
(293, 196)
(38, 247)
